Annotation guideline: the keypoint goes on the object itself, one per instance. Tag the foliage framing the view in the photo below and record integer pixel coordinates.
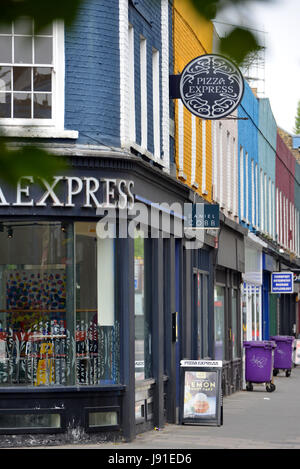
(28, 160)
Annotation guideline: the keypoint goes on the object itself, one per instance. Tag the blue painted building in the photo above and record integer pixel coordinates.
(92, 74)
(248, 112)
(267, 163)
(267, 156)
(248, 157)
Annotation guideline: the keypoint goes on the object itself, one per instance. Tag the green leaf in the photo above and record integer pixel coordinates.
(238, 44)
(28, 161)
(210, 8)
(207, 8)
(43, 12)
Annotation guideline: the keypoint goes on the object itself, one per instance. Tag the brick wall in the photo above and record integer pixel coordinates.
(192, 36)
(92, 73)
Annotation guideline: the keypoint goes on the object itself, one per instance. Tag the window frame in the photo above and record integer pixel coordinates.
(54, 127)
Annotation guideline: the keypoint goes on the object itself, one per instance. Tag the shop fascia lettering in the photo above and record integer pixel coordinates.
(115, 193)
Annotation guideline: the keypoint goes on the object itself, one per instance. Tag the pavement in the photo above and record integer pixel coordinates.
(252, 420)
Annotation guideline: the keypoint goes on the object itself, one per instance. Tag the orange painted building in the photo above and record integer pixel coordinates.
(192, 36)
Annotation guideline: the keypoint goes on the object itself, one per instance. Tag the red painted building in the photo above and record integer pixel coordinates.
(286, 228)
(285, 196)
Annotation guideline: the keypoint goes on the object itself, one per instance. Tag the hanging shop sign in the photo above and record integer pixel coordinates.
(201, 392)
(201, 216)
(210, 86)
(282, 282)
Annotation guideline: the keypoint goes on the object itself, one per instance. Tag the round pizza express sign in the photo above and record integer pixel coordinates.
(211, 86)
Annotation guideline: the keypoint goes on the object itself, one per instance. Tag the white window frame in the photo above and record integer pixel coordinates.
(270, 207)
(242, 182)
(273, 208)
(294, 230)
(297, 233)
(277, 214)
(285, 223)
(256, 195)
(262, 221)
(180, 116)
(204, 191)
(132, 130)
(247, 186)
(265, 204)
(143, 84)
(291, 228)
(229, 173)
(252, 194)
(156, 103)
(235, 164)
(46, 128)
(281, 219)
(215, 162)
(194, 150)
(220, 164)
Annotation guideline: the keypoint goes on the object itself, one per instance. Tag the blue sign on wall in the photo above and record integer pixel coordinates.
(282, 282)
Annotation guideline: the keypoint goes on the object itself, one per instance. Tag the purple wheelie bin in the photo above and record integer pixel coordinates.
(283, 356)
(259, 363)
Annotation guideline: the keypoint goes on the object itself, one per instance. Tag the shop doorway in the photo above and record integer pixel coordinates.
(200, 302)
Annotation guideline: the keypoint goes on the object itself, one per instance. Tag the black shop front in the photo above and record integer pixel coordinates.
(81, 303)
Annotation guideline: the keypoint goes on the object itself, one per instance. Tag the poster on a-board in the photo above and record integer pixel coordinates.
(201, 392)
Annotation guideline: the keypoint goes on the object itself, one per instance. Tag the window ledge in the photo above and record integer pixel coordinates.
(37, 132)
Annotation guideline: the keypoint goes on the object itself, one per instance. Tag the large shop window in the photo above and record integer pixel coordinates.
(143, 337)
(234, 323)
(251, 307)
(219, 302)
(57, 322)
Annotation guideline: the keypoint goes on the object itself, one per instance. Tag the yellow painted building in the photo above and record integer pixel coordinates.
(192, 36)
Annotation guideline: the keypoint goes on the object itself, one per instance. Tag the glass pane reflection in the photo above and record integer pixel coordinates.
(23, 50)
(22, 105)
(42, 106)
(42, 79)
(23, 26)
(43, 50)
(22, 78)
(5, 49)
(5, 78)
(5, 104)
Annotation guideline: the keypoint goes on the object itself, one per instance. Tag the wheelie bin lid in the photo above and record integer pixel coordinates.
(282, 338)
(266, 344)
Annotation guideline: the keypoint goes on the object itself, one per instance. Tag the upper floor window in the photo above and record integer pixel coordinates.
(31, 74)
